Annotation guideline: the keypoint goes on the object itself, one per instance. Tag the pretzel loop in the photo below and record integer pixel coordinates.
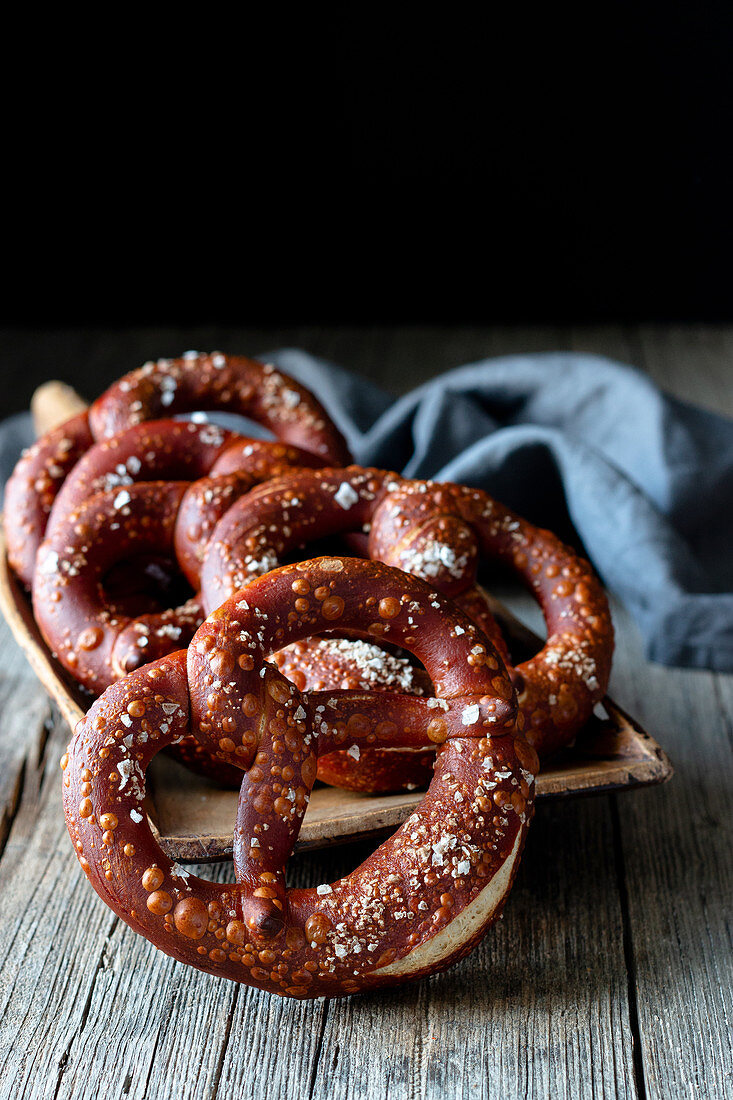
(229, 382)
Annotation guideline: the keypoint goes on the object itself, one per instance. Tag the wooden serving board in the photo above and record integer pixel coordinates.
(193, 819)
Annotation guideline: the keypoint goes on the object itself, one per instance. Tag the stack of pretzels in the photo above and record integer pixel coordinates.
(169, 570)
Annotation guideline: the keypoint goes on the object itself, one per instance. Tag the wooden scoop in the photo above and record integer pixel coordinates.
(52, 404)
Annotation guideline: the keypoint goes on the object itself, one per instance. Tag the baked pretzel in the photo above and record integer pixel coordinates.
(96, 642)
(346, 664)
(421, 901)
(228, 382)
(439, 532)
(195, 382)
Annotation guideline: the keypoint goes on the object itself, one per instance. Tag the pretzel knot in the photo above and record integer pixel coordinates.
(164, 388)
(422, 900)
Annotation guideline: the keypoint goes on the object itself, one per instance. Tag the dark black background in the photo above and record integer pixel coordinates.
(372, 166)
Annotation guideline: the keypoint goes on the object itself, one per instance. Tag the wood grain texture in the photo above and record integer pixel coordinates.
(610, 974)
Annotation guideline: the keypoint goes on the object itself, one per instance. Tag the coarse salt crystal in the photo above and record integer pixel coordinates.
(50, 562)
(345, 495)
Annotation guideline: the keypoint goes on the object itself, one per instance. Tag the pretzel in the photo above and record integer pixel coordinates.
(421, 901)
(228, 382)
(97, 643)
(345, 664)
(440, 532)
(170, 386)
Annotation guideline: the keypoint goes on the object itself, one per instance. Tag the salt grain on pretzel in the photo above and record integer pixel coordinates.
(90, 639)
(171, 450)
(222, 463)
(321, 664)
(421, 902)
(345, 664)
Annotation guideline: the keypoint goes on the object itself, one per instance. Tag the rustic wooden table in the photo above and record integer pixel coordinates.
(611, 973)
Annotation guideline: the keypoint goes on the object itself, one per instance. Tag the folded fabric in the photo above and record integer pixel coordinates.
(574, 442)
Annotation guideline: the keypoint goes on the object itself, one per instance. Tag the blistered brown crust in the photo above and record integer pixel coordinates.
(110, 510)
(231, 382)
(283, 515)
(162, 450)
(419, 903)
(438, 532)
(32, 489)
(222, 464)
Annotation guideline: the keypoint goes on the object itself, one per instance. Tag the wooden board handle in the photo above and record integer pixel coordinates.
(52, 404)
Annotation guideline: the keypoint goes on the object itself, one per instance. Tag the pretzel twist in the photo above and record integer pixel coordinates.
(163, 517)
(440, 531)
(223, 465)
(421, 901)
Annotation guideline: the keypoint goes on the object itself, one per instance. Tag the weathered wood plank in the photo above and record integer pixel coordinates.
(678, 859)
(24, 709)
(395, 358)
(72, 973)
(677, 855)
(694, 362)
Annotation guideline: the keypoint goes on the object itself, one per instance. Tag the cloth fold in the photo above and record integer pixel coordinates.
(574, 442)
